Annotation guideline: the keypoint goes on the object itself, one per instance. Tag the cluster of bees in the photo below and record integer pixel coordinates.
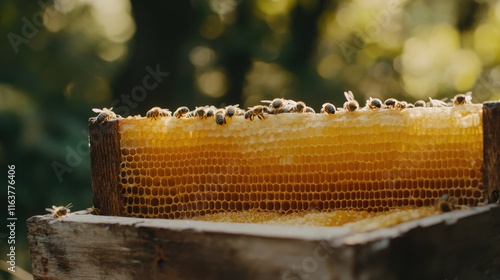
(282, 105)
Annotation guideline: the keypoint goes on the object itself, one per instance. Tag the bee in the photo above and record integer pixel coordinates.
(309, 110)
(157, 112)
(328, 108)
(446, 204)
(92, 210)
(59, 211)
(299, 107)
(279, 105)
(391, 103)
(420, 103)
(276, 104)
(209, 111)
(351, 104)
(181, 112)
(200, 112)
(409, 106)
(463, 99)
(234, 110)
(374, 103)
(401, 105)
(105, 114)
(220, 116)
(256, 111)
(437, 103)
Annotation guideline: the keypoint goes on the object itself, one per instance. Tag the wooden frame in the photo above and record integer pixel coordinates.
(491, 146)
(461, 244)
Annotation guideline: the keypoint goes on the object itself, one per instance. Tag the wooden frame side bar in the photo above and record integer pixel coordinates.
(491, 149)
(105, 167)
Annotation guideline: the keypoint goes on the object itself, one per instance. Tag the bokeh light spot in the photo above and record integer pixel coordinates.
(202, 56)
(329, 66)
(213, 83)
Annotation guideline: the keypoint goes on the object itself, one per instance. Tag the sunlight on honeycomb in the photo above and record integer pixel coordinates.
(372, 161)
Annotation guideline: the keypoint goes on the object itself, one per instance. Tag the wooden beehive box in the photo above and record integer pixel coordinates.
(457, 245)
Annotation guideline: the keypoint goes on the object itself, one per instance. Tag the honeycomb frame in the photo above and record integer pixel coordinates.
(242, 166)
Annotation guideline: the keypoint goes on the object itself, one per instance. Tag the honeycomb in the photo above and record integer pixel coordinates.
(356, 220)
(366, 160)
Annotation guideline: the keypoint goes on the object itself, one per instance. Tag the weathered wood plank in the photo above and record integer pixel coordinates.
(491, 150)
(105, 161)
(457, 245)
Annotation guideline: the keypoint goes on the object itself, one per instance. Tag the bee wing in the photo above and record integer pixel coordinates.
(69, 205)
(267, 101)
(437, 103)
(97, 110)
(468, 96)
(49, 210)
(349, 95)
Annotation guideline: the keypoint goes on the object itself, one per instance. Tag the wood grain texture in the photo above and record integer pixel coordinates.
(105, 167)
(457, 245)
(491, 144)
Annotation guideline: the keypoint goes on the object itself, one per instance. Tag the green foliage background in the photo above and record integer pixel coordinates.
(60, 59)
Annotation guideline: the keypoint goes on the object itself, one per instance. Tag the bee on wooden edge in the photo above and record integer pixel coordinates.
(105, 114)
(59, 211)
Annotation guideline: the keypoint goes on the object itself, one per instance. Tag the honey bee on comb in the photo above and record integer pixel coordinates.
(220, 116)
(234, 110)
(209, 111)
(420, 103)
(309, 110)
(463, 99)
(157, 112)
(391, 103)
(373, 103)
(275, 105)
(351, 104)
(200, 111)
(328, 108)
(59, 211)
(299, 107)
(105, 114)
(181, 112)
(256, 111)
(446, 204)
(400, 105)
